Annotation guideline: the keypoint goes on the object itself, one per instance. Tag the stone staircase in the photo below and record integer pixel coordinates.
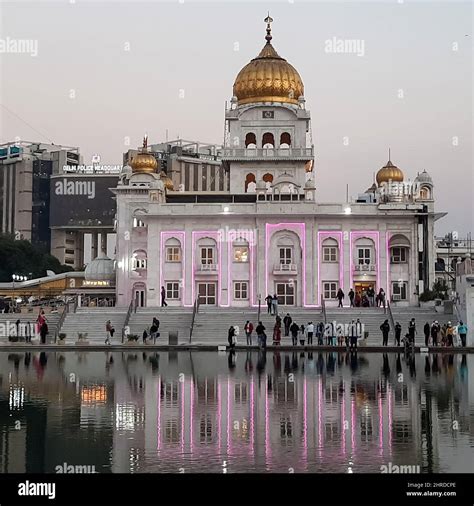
(7, 322)
(171, 319)
(92, 321)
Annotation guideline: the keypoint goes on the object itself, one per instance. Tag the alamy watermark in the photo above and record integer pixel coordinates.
(396, 469)
(19, 46)
(345, 46)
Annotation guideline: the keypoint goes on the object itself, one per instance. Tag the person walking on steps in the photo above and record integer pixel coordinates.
(340, 297)
(385, 328)
(231, 337)
(163, 297)
(310, 333)
(260, 334)
(412, 330)
(287, 321)
(275, 304)
(351, 297)
(108, 331)
(435, 330)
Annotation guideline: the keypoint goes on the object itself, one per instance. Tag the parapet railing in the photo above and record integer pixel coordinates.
(195, 312)
(127, 318)
(323, 309)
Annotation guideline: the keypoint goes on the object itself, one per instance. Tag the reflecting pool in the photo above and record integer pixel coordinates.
(138, 412)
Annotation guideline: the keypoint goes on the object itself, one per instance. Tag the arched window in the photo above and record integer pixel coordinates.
(285, 140)
(250, 178)
(425, 193)
(250, 140)
(139, 260)
(330, 250)
(268, 141)
(268, 178)
(173, 250)
(138, 223)
(399, 248)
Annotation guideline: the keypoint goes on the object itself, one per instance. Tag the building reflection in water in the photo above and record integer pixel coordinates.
(196, 412)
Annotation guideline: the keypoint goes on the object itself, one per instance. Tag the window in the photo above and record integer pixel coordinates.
(138, 223)
(241, 290)
(241, 254)
(173, 254)
(285, 256)
(250, 140)
(399, 290)
(363, 255)
(139, 263)
(330, 253)
(268, 140)
(172, 290)
(399, 255)
(330, 289)
(207, 256)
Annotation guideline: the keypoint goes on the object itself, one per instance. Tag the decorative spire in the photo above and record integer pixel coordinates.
(269, 21)
(389, 158)
(145, 142)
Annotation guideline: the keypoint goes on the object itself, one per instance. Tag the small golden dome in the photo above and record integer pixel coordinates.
(167, 181)
(144, 161)
(388, 173)
(268, 78)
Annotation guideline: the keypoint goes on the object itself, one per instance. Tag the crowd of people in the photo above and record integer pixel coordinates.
(332, 334)
(363, 298)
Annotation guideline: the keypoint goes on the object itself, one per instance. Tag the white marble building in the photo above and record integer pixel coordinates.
(265, 230)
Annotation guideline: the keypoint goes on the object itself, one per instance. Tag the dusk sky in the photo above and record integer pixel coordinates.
(110, 71)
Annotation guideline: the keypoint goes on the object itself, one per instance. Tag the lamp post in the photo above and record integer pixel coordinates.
(17, 277)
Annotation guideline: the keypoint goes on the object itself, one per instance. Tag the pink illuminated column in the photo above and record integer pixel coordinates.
(337, 235)
(387, 252)
(300, 229)
(375, 236)
(181, 236)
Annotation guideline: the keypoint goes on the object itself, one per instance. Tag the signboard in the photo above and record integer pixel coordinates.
(77, 200)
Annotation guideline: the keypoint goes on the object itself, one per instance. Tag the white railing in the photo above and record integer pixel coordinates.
(285, 268)
(208, 267)
(365, 267)
(267, 152)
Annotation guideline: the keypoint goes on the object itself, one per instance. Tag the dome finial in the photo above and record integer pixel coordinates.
(389, 158)
(145, 142)
(269, 21)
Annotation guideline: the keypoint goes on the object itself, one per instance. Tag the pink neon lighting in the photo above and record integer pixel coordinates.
(353, 443)
(305, 424)
(267, 427)
(343, 414)
(300, 228)
(322, 236)
(219, 414)
(191, 415)
(250, 241)
(252, 417)
(213, 234)
(390, 418)
(380, 406)
(375, 236)
(183, 415)
(228, 418)
(158, 422)
(388, 287)
(320, 407)
(174, 234)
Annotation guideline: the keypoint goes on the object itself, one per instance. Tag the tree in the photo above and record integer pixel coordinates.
(22, 258)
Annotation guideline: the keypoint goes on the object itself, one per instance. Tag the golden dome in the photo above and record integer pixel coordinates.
(268, 78)
(144, 161)
(388, 173)
(167, 181)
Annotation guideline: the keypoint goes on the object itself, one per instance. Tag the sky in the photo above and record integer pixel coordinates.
(105, 73)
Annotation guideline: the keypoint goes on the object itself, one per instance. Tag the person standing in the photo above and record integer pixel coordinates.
(44, 331)
(260, 334)
(276, 334)
(275, 304)
(310, 332)
(287, 321)
(385, 328)
(294, 333)
(230, 337)
(340, 297)
(320, 333)
(450, 334)
(382, 300)
(435, 328)
(353, 335)
(462, 331)
(248, 329)
(427, 331)
(351, 297)
(269, 300)
(398, 333)
(108, 331)
(412, 330)
(163, 297)
(371, 296)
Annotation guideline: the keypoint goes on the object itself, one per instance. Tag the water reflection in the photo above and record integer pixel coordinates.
(235, 412)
